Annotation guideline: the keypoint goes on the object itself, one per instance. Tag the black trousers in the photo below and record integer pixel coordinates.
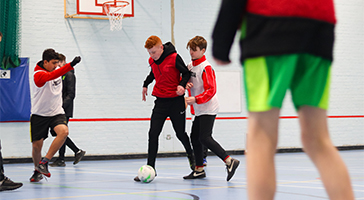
(68, 143)
(201, 135)
(2, 176)
(175, 109)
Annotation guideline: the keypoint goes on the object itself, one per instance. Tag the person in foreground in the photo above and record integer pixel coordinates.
(203, 99)
(5, 182)
(284, 45)
(47, 111)
(171, 76)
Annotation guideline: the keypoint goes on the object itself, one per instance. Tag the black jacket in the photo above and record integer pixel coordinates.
(275, 28)
(68, 92)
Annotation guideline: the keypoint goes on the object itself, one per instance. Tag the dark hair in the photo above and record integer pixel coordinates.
(61, 57)
(1, 34)
(197, 41)
(50, 54)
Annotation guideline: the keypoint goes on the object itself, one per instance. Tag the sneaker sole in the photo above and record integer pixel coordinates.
(4, 188)
(33, 180)
(45, 174)
(197, 177)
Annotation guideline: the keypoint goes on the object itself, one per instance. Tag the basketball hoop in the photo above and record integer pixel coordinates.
(115, 11)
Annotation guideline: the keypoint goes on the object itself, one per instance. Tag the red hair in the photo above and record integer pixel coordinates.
(152, 41)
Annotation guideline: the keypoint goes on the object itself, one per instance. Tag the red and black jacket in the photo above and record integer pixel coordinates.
(167, 72)
(275, 27)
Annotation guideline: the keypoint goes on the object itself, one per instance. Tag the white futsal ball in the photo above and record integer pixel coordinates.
(146, 173)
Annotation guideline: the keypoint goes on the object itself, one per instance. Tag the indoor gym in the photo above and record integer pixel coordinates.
(111, 122)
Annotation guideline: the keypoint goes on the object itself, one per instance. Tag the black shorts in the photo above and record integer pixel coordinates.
(53, 133)
(39, 125)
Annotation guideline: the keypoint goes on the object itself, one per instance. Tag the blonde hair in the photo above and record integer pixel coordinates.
(152, 41)
(197, 41)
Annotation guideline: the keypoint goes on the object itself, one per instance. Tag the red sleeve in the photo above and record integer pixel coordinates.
(40, 78)
(209, 85)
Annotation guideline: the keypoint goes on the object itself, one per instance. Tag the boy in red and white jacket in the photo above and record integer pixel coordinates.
(203, 99)
(47, 111)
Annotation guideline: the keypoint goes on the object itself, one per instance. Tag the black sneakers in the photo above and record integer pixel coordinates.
(195, 175)
(78, 156)
(231, 168)
(58, 163)
(191, 160)
(43, 169)
(36, 177)
(137, 179)
(8, 184)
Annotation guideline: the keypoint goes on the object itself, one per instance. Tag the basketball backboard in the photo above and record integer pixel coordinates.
(93, 9)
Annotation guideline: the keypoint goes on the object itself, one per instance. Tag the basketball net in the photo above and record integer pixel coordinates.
(115, 11)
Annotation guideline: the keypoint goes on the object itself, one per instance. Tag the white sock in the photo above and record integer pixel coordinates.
(228, 160)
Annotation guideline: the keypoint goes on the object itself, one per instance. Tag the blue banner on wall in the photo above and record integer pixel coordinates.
(15, 100)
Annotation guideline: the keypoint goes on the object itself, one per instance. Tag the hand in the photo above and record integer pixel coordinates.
(189, 85)
(221, 62)
(180, 90)
(144, 93)
(190, 100)
(76, 60)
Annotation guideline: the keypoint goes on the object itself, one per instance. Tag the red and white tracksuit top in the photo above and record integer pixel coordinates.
(47, 90)
(204, 88)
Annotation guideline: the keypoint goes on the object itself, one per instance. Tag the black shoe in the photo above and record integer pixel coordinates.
(191, 160)
(43, 169)
(231, 168)
(195, 175)
(58, 163)
(137, 179)
(78, 156)
(8, 184)
(36, 177)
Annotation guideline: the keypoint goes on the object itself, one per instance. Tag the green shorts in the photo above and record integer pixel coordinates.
(268, 78)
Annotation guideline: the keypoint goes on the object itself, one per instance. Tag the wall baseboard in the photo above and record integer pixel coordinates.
(166, 155)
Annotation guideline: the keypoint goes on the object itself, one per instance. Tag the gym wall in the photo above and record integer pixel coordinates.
(109, 115)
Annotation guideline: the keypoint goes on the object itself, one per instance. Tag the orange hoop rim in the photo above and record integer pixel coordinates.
(113, 4)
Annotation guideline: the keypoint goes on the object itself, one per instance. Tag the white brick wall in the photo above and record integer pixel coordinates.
(114, 65)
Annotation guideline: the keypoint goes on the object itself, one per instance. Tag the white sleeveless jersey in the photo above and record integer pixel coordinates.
(211, 107)
(47, 100)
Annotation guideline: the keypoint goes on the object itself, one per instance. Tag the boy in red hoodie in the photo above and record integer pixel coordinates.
(171, 75)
